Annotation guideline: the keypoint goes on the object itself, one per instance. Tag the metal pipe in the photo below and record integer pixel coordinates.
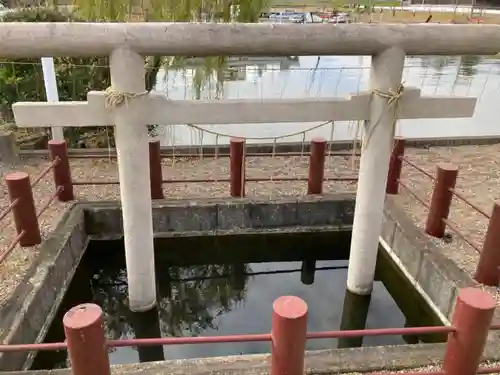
(45, 172)
(466, 201)
(414, 195)
(233, 338)
(8, 209)
(49, 202)
(454, 227)
(416, 167)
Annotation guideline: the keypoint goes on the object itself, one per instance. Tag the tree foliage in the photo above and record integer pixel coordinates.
(176, 11)
(22, 79)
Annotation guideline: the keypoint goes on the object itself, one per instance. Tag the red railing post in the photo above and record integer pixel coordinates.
(395, 165)
(446, 178)
(316, 166)
(472, 319)
(237, 166)
(288, 336)
(24, 211)
(488, 267)
(62, 171)
(87, 349)
(156, 175)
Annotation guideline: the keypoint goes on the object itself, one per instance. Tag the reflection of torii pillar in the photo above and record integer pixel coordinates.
(354, 315)
(307, 271)
(146, 325)
(238, 276)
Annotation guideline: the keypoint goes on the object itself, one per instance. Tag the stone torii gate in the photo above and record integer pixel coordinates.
(133, 108)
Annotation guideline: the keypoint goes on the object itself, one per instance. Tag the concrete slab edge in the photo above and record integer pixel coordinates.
(27, 316)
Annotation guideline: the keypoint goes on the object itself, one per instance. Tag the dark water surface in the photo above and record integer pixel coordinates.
(226, 285)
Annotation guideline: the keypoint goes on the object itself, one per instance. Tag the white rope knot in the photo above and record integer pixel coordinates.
(391, 95)
(114, 98)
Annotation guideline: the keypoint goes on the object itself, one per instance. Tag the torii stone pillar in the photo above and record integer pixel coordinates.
(385, 76)
(131, 137)
(378, 137)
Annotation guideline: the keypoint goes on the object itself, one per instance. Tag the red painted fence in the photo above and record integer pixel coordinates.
(87, 345)
(488, 269)
(85, 339)
(22, 206)
(22, 202)
(28, 231)
(237, 176)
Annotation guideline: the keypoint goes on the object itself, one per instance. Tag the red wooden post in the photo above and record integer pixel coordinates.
(488, 267)
(156, 176)
(446, 177)
(395, 165)
(87, 349)
(62, 171)
(288, 335)
(316, 166)
(237, 166)
(24, 211)
(472, 319)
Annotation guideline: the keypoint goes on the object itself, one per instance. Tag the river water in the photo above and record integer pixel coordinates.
(331, 76)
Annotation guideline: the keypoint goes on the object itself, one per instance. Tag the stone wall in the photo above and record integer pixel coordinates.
(27, 315)
(227, 216)
(437, 276)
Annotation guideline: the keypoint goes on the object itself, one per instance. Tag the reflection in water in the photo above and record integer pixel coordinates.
(238, 276)
(308, 270)
(468, 65)
(146, 326)
(223, 299)
(330, 76)
(354, 316)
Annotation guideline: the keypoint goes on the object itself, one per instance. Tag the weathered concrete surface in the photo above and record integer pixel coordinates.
(220, 216)
(434, 275)
(438, 276)
(27, 316)
(316, 362)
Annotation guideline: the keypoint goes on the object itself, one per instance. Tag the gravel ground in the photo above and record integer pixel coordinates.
(479, 177)
(478, 180)
(427, 369)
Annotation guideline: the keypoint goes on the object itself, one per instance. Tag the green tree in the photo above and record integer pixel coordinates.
(175, 11)
(468, 65)
(22, 79)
